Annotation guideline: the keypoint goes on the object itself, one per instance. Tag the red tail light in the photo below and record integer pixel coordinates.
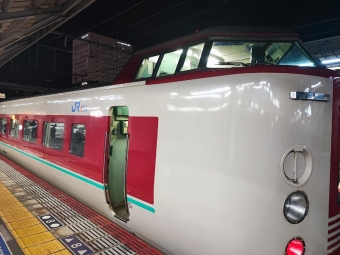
(295, 247)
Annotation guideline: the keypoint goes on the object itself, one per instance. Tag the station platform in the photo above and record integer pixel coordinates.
(39, 219)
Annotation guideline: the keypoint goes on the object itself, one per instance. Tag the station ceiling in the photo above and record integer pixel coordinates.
(32, 65)
(327, 50)
(25, 22)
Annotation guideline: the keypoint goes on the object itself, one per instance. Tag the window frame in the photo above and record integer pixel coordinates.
(184, 55)
(140, 63)
(71, 136)
(44, 137)
(10, 129)
(295, 43)
(23, 130)
(7, 123)
(154, 75)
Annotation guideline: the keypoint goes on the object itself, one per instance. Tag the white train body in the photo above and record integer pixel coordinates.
(218, 187)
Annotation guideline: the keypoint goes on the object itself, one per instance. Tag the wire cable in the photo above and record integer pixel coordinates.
(80, 34)
(116, 15)
(177, 21)
(199, 13)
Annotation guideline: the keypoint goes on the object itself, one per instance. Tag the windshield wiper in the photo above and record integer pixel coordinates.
(231, 63)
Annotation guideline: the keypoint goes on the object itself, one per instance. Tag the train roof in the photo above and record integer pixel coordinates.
(222, 32)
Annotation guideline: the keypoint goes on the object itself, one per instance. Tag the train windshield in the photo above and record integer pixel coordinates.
(226, 54)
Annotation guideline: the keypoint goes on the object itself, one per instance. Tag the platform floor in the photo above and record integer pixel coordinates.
(40, 219)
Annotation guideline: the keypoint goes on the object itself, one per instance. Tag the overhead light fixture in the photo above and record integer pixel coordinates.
(84, 36)
(334, 68)
(330, 61)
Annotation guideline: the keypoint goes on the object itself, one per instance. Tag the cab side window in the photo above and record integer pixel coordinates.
(193, 57)
(30, 131)
(147, 67)
(78, 132)
(169, 63)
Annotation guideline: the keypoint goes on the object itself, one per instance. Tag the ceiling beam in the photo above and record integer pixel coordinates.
(13, 47)
(36, 3)
(6, 4)
(60, 2)
(69, 4)
(4, 17)
(19, 23)
(17, 36)
(36, 36)
(15, 26)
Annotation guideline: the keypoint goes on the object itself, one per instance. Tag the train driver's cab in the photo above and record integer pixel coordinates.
(222, 54)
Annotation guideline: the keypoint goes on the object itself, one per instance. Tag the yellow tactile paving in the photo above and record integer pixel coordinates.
(36, 239)
(63, 252)
(23, 223)
(45, 248)
(18, 216)
(8, 199)
(30, 233)
(13, 210)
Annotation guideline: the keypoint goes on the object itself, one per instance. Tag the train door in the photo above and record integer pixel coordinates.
(117, 159)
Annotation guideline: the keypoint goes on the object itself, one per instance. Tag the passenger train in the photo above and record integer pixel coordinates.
(225, 141)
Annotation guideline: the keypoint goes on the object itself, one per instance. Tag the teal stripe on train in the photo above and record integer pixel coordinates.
(146, 207)
(61, 169)
(79, 177)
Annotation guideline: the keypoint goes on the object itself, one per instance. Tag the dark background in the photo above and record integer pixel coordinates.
(146, 22)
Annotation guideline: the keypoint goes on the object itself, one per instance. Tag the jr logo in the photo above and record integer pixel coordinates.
(79, 108)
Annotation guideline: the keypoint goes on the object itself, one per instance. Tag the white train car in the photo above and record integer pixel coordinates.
(221, 142)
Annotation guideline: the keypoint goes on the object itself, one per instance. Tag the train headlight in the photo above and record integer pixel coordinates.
(295, 208)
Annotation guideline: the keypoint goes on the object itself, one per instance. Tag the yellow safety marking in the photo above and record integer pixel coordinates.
(45, 248)
(13, 210)
(8, 199)
(63, 252)
(11, 205)
(29, 232)
(23, 223)
(18, 216)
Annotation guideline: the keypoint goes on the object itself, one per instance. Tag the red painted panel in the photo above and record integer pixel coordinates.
(129, 72)
(142, 157)
(207, 72)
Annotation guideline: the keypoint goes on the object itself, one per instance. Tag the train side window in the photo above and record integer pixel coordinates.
(53, 135)
(30, 131)
(193, 56)
(14, 128)
(147, 67)
(3, 126)
(169, 63)
(78, 133)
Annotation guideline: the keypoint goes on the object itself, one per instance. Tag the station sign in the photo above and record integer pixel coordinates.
(50, 221)
(76, 245)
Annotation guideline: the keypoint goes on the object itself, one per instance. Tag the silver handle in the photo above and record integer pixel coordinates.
(105, 160)
(125, 171)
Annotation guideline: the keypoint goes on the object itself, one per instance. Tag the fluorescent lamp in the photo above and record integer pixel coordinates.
(330, 61)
